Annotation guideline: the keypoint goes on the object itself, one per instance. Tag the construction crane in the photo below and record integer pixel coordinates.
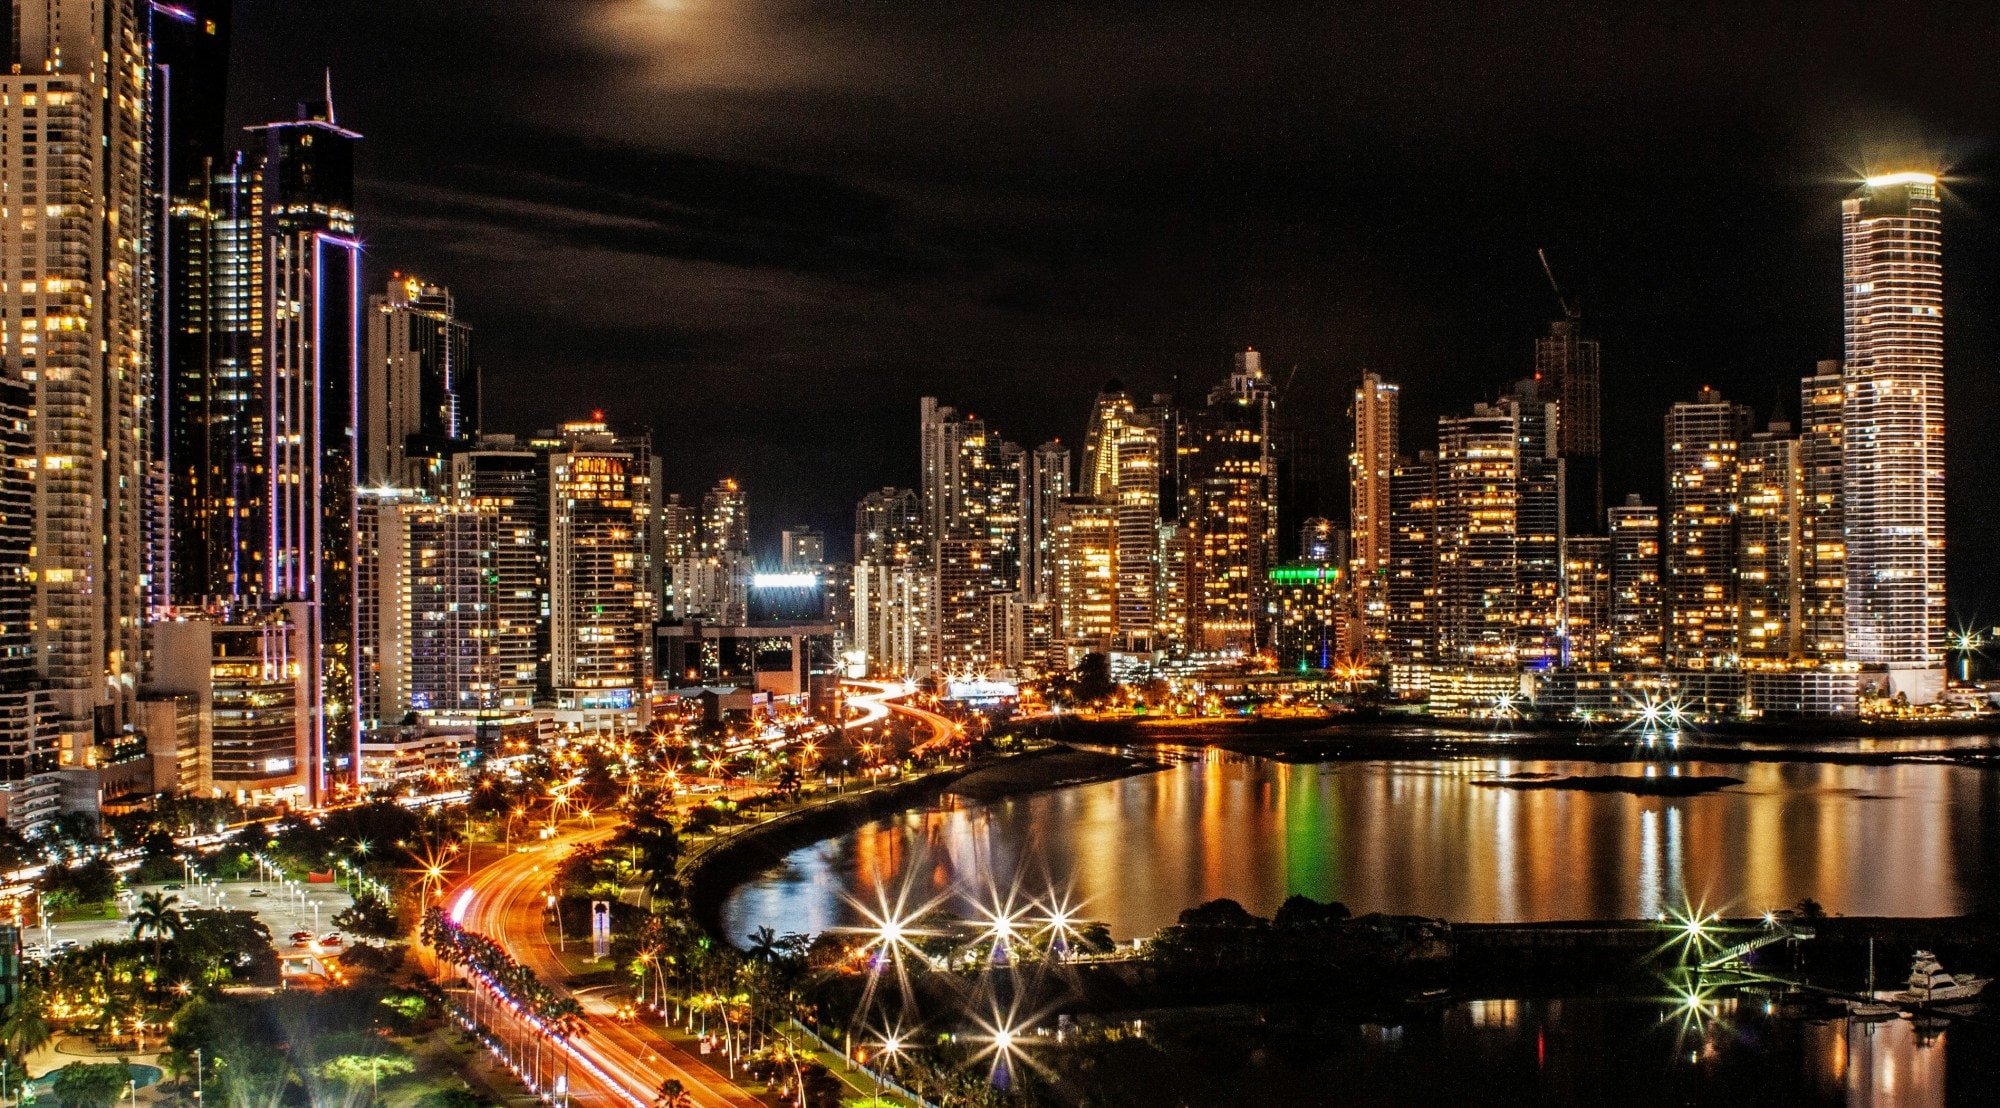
(1568, 312)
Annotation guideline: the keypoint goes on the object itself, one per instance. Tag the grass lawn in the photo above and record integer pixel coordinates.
(85, 912)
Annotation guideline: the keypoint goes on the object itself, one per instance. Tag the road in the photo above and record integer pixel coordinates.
(873, 705)
(623, 1064)
(889, 697)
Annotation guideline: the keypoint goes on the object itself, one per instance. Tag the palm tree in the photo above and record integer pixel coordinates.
(26, 1028)
(765, 946)
(673, 1094)
(157, 913)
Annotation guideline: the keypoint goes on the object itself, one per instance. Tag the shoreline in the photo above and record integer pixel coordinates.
(1338, 740)
(716, 869)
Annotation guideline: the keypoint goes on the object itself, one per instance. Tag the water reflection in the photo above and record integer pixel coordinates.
(1426, 838)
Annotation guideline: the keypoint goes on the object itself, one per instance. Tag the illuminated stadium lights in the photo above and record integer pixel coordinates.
(784, 580)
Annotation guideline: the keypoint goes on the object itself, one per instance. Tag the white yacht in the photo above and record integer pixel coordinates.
(1930, 984)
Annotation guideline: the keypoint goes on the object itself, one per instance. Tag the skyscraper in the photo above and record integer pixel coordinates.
(73, 315)
(1376, 425)
(313, 337)
(1768, 553)
(801, 550)
(1587, 625)
(1086, 574)
(1567, 365)
(422, 387)
(1228, 495)
(1637, 601)
(1893, 431)
(601, 607)
(1822, 546)
(1410, 639)
(1538, 524)
(1048, 483)
(888, 527)
(1478, 507)
(1703, 439)
(217, 402)
(514, 482)
(186, 149)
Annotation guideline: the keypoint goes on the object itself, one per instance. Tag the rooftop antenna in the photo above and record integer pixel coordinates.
(336, 122)
(1568, 313)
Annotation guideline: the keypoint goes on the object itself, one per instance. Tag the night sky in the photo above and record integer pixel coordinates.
(766, 227)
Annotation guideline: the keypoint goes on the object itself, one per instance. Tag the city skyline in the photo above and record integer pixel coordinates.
(1443, 293)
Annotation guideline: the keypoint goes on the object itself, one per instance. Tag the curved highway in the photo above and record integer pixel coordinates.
(625, 1062)
(889, 697)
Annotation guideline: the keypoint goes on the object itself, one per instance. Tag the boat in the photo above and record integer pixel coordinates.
(1930, 984)
(1873, 1008)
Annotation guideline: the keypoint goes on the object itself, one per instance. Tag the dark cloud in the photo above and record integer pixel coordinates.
(766, 226)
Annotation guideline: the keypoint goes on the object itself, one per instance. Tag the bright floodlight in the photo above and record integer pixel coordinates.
(1907, 177)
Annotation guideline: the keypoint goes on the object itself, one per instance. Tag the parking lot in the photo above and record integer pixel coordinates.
(283, 907)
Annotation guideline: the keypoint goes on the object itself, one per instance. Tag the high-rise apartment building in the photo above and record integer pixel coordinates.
(940, 434)
(1048, 484)
(459, 663)
(1410, 643)
(30, 743)
(1893, 431)
(1822, 512)
(1478, 507)
(888, 527)
(1587, 601)
(17, 534)
(422, 387)
(1229, 502)
(1086, 574)
(1538, 525)
(602, 508)
(514, 482)
(1638, 597)
(1704, 439)
(1140, 459)
(1376, 413)
(801, 550)
(1769, 546)
(973, 514)
(74, 92)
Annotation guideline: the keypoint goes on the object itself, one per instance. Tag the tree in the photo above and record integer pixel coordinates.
(26, 1029)
(365, 1069)
(1218, 913)
(157, 913)
(673, 1094)
(368, 915)
(82, 1085)
(1093, 678)
(765, 945)
(1300, 911)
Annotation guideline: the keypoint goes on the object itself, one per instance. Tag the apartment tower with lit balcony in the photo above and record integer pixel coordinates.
(74, 87)
(1892, 421)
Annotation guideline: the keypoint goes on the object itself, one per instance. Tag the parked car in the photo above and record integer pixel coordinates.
(301, 938)
(258, 892)
(66, 945)
(173, 886)
(331, 938)
(36, 951)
